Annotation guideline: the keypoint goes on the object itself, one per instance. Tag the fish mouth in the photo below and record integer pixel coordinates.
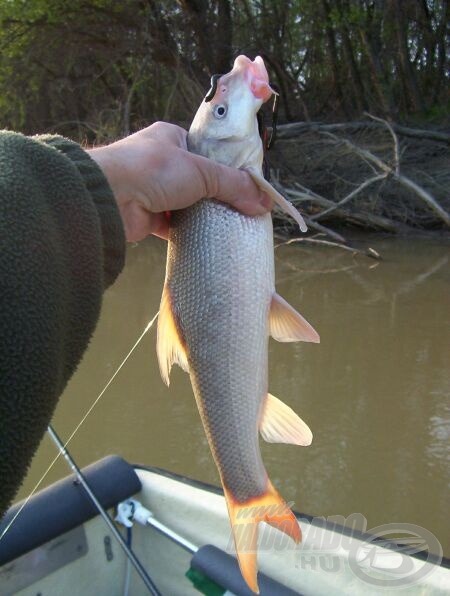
(255, 73)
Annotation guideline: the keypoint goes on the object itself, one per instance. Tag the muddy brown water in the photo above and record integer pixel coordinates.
(375, 392)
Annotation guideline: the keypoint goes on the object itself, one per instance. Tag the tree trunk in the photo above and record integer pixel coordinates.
(441, 51)
(197, 13)
(333, 56)
(224, 37)
(355, 78)
(406, 70)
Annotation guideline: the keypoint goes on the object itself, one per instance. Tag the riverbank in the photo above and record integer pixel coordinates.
(354, 174)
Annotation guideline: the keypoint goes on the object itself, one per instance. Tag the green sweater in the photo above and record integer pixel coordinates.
(61, 245)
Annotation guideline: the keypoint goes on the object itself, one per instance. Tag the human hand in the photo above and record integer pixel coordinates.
(152, 172)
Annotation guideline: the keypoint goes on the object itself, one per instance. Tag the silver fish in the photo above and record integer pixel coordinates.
(218, 308)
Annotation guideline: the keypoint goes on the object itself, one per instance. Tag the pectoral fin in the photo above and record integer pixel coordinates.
(283, 203)
(286, 324)
(169, 346)
(280, 424)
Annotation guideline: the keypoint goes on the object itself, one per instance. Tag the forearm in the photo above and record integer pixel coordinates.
(101, 195)
(61, 245)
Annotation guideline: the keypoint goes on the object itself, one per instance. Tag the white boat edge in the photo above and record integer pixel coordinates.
(197, 512)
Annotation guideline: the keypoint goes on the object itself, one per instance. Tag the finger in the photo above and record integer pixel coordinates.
(236, 188)
(245, 202)
(139, 222)
(160, 226)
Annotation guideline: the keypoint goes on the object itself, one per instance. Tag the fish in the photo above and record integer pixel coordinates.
(219, 306)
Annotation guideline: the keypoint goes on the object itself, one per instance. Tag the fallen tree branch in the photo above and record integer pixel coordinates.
(323, 229)
(403, 180)
(370, 252)
(394, 138)
(363, 218)
(292, 130)
(350, 196)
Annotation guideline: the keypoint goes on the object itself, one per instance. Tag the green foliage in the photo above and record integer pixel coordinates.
(96, 69)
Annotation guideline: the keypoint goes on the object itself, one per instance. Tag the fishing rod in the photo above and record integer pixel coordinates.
(117, 535)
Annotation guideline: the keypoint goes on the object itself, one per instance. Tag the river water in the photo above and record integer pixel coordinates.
(375, 392)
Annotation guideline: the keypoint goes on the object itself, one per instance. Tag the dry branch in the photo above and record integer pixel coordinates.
(370, 252)
(395, 173)
(394, 138)
(363, 218)
(323, 229)
(292, 130)
(350, 196)
(368, 179)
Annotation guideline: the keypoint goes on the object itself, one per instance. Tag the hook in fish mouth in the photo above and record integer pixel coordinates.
(275, 107)
(268, 142)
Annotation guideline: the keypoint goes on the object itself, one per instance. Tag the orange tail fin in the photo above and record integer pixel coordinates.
(269, 507)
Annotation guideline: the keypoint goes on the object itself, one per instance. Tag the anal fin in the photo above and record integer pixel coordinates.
(169, 346)
(280, 424)
(286, 324)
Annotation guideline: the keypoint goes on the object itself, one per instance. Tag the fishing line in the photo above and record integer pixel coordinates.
(100, 395)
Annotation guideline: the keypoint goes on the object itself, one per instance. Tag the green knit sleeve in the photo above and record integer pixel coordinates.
(61, 244)
(113, 238)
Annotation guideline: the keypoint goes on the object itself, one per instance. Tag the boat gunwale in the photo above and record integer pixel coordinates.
(317, 521)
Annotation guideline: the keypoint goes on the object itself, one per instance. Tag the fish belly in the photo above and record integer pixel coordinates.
(220, 279)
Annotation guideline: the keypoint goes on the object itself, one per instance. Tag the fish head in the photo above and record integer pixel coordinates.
(231, 114)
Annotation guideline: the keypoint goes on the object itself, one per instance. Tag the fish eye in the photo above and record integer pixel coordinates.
(220, 110)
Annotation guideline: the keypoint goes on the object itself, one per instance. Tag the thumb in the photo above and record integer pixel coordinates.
(234, 187)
